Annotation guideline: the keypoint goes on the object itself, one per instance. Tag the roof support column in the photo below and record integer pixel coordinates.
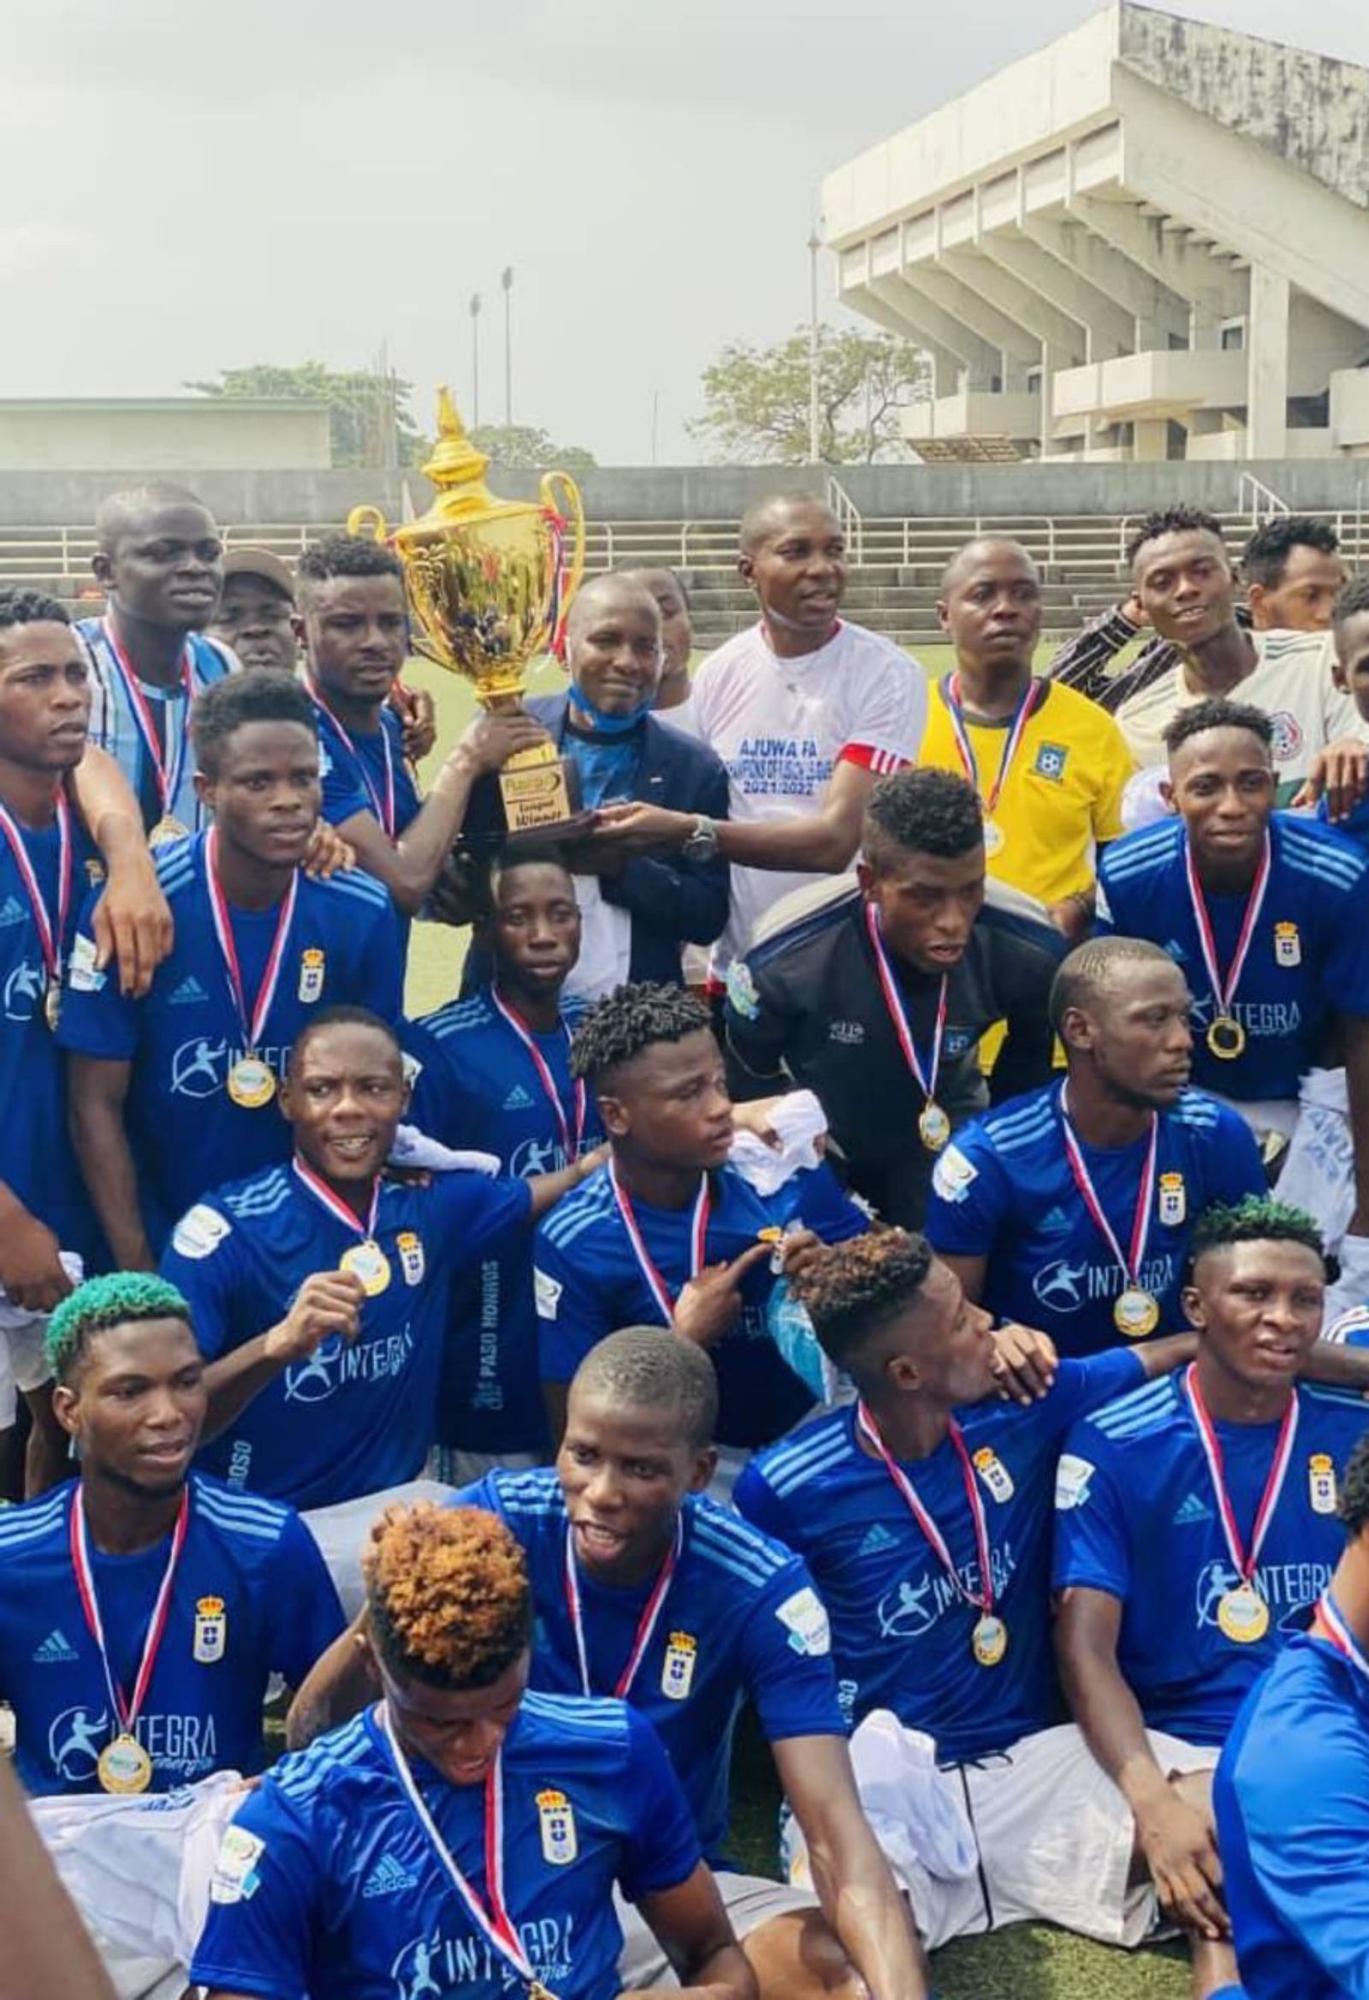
(1267, 364)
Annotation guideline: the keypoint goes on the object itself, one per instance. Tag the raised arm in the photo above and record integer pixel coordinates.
(132, 919)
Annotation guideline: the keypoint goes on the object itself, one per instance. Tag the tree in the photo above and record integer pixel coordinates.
(756, 399)
(369, 415)
(530, 448)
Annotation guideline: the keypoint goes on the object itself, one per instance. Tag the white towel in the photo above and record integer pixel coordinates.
(799, 1122)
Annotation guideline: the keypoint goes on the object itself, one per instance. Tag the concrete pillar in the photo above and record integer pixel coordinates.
(1051, 359)
(1266, 337)
(1151, 438)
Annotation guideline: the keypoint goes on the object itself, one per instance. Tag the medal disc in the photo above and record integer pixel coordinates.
(1243, 1615)
(123, 1766)
(250, 1083)
(989, 1640)
(1135, 1313)
(368, 1262)
(1226, 1038)
(52, 1004)
(994, 837)
(933, 1126)
(166, 830)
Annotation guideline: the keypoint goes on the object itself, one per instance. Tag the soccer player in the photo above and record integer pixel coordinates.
(1260, 911)
(173, 1094)
(644, 1588)
(875, 994)
(463, 1834)
(1072, 1209)
(677, 637)
(495, 1074)
(1048, 766)
(319, 1289)
(143, 1607)
(666, 1231)
(805, 711)
(1350, 667)
(1195, 1529)
(1292, 1792)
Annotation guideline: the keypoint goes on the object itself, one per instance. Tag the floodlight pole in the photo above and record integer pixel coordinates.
(475, 361)
(814, 406)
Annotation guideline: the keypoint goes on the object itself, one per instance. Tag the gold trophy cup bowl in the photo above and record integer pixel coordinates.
(489, 584)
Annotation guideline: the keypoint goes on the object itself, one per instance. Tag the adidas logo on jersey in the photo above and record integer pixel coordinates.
(54, 1651)
(1190, 1510)
(877, 1539)
(12, 911)
(187, 992)
(387, 1878)
(518, 1099)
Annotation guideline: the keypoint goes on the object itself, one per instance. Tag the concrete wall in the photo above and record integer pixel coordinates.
(180, 435)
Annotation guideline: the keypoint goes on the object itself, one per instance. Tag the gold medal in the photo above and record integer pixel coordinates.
(250, 1083)
(1135, 1313)
(1243, 1615)
(933, 1126)
(166, 830)
(368, 1262)
(123, 1766)
(1226, 1038)
(52, 1004)
(994, 837)
(989, 1640)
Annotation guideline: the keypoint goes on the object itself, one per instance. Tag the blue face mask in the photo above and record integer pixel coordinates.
(607, 725)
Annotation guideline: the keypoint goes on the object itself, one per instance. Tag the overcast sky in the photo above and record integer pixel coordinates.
(187, 186)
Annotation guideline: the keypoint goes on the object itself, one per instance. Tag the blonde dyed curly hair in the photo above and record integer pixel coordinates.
(448, 1595)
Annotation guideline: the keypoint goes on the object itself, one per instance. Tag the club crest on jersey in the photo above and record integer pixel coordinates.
(1287, 945)
(741, 991)
(557, 1819)
(1321, 1482)
(677, 1671)
(409, 1244)
(211, 1630)
(994, 1473)
(1173, 1200)
(311, 965)
(1051, 759)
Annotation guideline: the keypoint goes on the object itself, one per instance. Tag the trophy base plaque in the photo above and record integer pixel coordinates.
(536, 792)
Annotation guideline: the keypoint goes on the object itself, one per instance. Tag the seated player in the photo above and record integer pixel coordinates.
(1195, 1529)
(666, 1230)
(494, 1073)
(143, 1606)
(174, 1094)
(463, 1834)
(319, 1289)
(875, 994)
(645, 1589)
(1072, 1209)
(1292, 1792)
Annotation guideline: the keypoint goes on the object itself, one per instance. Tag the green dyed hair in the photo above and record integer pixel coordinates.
(119, 1298)
(1256, 1219)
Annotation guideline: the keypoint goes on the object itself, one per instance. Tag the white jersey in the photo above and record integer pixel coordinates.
(782, 726)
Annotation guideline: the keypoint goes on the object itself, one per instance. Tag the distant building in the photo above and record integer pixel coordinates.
(1149, 240)
(163, 434)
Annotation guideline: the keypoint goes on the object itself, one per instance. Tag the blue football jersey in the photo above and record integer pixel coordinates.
(355, 1416)
(1308, 958)
(36, 1158)
(186, 1133)
(901, 1631)
(1003, 1190)
(251, 1597)
(115, 727)
(1355, 825)
(477, 1086)
(589, 1283)
(740, 1621)
(356, 775)
(1136, 1516)
(327, 1885)
(1292, 1801)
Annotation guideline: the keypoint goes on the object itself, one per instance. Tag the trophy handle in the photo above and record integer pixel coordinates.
(370, 522)
(561, 495)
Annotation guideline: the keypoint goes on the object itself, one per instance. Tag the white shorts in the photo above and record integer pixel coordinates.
(342, 1532)
(750, 1901)
(23, 1362)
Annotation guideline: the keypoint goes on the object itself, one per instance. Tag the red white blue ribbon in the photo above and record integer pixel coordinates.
(168, 769)
(1083, 1180)
(1224, 994)
(335, 1205)
(50, 932)
(253, 1023)
(127, 1711)
(1244, 1561)
(983, 1598)
(698, 1240)
(646, 1624)
(893, 1000)
(1022, 715)
(1338, 1634)
(571, 1140)
(383, 808)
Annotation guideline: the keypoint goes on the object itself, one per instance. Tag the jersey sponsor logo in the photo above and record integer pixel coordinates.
(1072, 1479)
(24, 990)
(1321, 1482)
(236, 1877)
(877, 1541)
(200, 1231)
(1065, 1287)
(388, 1878)
(12, 911)
(1287, 734)
(55, 1650)
(1191, 1510)
(335, 1365)
(1173, 1203)
(518, 1099)
(957, 1041)
(75, 1739)
(741, 991)
(848, 1034)
(546, 1293)
(311, 974)
(188, 994)
(556, 1818)
(994, 1473)
(677, 1671)
(1276, 1019)
(911, 1610)
(199, 1066)
(83, 975)
(1289, 1589)
(1287, 945)
(211, 1631)
(434, 1967)
(184, 1746)
(804, 1618)
(953, 1174)
(1050, 761)
(409, 1244)
(536, 1156)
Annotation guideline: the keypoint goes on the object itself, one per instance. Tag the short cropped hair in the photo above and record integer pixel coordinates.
(628, 1020)
(651, 1368)
(346, 555)
(1353, 599)
(1090, 971)
(447, 1594)
(119, 1298)
(342, 1014)
(755, 522)
(1265, 556)
(31, 607)
(851, 1289)
(1217, 713)
(118, 510)
(1256, 1219)
(1172, 521)
(257, 694)
(922, 812)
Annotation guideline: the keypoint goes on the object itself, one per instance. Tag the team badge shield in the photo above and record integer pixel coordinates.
(556, 1817)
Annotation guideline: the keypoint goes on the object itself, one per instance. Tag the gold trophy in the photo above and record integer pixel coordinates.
(490, 582)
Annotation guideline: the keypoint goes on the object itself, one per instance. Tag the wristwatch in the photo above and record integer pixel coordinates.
(702, 843)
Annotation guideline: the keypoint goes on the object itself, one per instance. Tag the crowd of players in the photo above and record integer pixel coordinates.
(881, 1235)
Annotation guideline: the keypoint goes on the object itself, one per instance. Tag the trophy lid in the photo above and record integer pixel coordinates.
(455, 460)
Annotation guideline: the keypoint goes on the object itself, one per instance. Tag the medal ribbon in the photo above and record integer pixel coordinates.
(982, 1599)
(646, 1624)
(898, 1013)
(1225, 994)
(1338, 1634)
(570, 1142)
(698, 1241)
(127, 1711)
(252, 1027)
(1083, 1180)
(168, 769)
(50, 935)
(1022, 715)
(1244, 1561)
(334, 1203)
(494, 1923)
(384, 809)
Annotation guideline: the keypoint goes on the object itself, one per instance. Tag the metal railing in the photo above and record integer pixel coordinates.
(848, 518)
(1262, 500)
